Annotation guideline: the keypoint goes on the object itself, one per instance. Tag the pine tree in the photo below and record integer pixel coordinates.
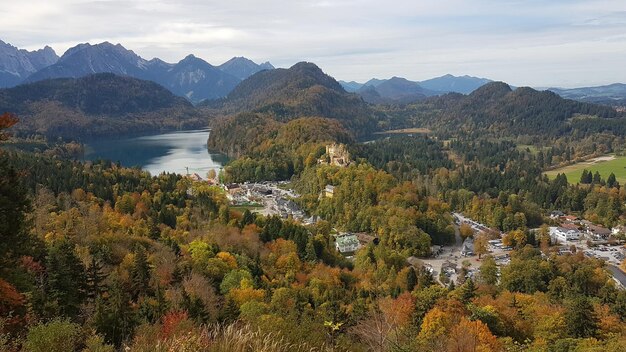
(94, 279)
(580, 318)
(597, 179)
(584, 177)
(310, 254)
(611, 181)
(114, 318)
(66, 278)
(468, 290)
(247, 218)
(411, 279)
(13, 205)
(140, 273)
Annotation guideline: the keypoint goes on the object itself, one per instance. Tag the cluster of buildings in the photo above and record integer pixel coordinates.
(571, 228)
(269, 197)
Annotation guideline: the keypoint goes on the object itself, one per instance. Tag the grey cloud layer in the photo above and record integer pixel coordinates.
(531, 42)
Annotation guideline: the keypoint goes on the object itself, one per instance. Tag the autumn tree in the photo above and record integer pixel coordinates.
(488, 271)
(466, 230)
(481, 245)
(470, 336)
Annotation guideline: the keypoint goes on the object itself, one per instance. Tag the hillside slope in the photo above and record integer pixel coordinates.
(97, 105)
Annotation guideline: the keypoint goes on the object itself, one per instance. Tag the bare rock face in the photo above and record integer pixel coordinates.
(192, 77)
(17, 64)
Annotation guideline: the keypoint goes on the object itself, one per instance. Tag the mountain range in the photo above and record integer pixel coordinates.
(197, 80)
(17, 64)
(613, 94)
(401, 90)
(192, 77)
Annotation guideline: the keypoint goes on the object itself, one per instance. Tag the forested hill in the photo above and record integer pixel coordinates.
(97, 105)
(302, 90)
(498, 109)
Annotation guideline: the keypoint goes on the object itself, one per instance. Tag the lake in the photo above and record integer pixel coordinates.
(166, 152)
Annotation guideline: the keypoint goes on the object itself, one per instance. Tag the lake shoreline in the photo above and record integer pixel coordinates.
(180, 152)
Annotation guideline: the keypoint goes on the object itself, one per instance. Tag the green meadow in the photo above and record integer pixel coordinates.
(616, 165)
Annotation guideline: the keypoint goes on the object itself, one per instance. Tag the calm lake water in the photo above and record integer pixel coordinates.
(167, 152)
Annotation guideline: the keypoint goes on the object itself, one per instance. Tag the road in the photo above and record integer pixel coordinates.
(618, 274)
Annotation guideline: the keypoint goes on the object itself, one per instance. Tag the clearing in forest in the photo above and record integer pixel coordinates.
(604, 165)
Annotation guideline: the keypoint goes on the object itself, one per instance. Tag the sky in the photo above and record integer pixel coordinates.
(539, 43)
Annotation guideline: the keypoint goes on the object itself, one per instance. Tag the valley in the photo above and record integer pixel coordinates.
(156, 206)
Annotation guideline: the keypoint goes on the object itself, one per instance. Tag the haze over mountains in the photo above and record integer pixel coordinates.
(613, 94)
(197, 80)
(398, 89)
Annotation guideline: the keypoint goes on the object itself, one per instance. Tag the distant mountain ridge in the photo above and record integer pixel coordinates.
(243, 68)
(612, 94)
(454, 84)
(398, 89)
(496, 107)
(192, 77)
(17, 64)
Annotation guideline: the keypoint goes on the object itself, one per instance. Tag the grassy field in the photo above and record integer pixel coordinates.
(533, 150)
(407, 131)
(604, 165)
(251, 207)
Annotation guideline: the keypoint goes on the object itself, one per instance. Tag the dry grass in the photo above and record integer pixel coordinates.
(231, 338)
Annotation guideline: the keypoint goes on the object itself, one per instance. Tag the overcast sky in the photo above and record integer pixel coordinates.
(523, 42)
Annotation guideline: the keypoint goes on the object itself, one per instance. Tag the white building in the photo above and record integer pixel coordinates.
(347, 243)
(561, 234)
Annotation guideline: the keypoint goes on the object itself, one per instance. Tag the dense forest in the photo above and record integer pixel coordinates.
(496, 110)
(96, 106)
(98, 257)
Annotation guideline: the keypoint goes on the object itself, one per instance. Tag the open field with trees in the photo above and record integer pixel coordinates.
(604, 165)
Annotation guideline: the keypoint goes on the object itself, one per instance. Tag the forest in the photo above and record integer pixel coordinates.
(99, 257)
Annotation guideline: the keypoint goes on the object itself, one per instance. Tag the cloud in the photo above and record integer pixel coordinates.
(529, 42)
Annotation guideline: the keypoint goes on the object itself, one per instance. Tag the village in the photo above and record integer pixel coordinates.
(568, 233)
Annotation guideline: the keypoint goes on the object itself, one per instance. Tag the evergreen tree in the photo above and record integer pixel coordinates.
(94, 279)
(580, 318)
(611, 181)
(114, 318)
(224, 214)
(597, 179)
(310, 253)
(13, 205)
(585, 177)
(468, 290)
(66, 278)
(247, 218)
(140, 273)
(411, 279)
